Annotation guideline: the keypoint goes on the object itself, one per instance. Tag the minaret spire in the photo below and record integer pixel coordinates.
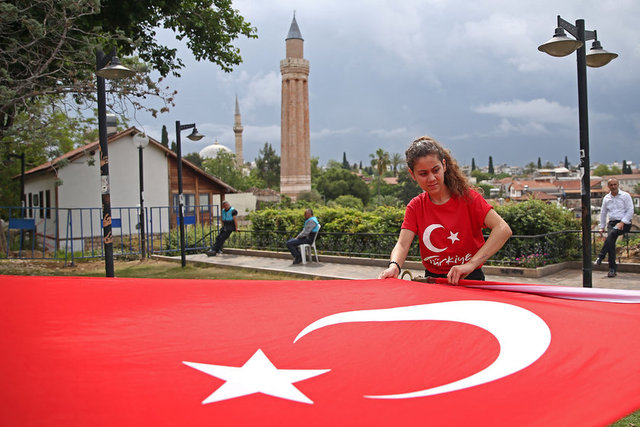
(237, 129)
(295, 160)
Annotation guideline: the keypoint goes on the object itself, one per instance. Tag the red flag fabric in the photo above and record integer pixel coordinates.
(105, 352)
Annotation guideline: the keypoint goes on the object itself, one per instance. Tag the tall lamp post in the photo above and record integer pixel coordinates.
(561, 45)
(141, 141)
(194, 136)
(107, 67)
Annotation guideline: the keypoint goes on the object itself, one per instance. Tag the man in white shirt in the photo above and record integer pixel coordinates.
(618, 206)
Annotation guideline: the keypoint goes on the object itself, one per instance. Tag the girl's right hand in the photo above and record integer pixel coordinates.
(391, 272)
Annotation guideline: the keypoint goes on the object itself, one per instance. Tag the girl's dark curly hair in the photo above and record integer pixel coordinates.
(454, 179)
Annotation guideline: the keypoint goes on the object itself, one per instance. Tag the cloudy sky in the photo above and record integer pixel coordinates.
(383, 72)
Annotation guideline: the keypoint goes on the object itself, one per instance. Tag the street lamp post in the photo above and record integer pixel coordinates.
(141, 141)
(194, 136)
(561, 45)
(108, 67)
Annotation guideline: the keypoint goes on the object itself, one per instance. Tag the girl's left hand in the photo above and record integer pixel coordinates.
(458, 272)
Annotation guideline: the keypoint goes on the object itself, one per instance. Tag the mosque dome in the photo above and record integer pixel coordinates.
(211, 151)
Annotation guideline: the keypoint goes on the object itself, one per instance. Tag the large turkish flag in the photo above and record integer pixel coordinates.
(124, 352)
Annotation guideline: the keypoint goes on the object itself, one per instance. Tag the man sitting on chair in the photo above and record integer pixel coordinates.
(311, 227)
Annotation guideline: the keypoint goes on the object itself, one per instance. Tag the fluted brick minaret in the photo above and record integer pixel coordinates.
(295, 161)
(237, 129)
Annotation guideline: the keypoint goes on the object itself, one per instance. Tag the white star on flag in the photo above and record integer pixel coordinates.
(453, 237)
(257, 375)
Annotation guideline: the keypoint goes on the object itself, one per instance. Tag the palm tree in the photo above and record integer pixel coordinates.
(396, 160)
(380, 161)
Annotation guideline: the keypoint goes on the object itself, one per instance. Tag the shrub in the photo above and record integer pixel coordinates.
(347, 201)
(536, 217)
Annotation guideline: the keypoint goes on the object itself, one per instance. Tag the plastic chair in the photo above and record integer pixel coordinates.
(311, 247)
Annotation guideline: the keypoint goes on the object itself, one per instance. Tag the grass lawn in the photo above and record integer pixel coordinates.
(144, 269)
(169, 270)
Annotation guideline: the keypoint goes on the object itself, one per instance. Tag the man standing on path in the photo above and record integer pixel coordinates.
(229, 225)
(618, 206)
(311, 227)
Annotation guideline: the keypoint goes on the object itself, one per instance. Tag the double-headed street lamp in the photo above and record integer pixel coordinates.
(194, 136)
(107, 67)
(141, 141)
(561, 45)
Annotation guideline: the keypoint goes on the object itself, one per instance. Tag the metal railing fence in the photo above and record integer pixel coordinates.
(71, 234)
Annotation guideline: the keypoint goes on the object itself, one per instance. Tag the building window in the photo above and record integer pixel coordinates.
(204, 202)
(189, 202)
(47, 196)
(30, 205)
(41, 200)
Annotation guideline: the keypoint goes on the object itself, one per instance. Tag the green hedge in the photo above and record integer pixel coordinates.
(383, 219)
(528, 218)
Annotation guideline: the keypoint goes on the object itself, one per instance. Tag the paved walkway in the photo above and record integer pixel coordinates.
(326, 270)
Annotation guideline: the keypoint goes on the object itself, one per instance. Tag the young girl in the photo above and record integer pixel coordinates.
(448, 218)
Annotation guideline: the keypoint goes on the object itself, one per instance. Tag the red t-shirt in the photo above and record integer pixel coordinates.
(449, 234)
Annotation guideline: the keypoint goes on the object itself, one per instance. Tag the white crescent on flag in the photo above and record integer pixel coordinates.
(523, 336)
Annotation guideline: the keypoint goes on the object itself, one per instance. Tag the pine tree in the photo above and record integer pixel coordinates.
(491, 171)
(345, 163)
(566, 162)
(539, 163)
(473, 164)
(165, 136)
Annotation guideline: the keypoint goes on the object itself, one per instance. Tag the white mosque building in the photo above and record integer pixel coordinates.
(211, 151)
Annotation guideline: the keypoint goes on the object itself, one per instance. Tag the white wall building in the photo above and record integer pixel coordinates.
(65, 193)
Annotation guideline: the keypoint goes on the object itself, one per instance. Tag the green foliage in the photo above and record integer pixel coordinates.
(345, 162)
(480, 176)
(192, 235)
(315, 170)
(501, 175)
(384, 219)
(380, 161)
(604, 170)
(490, 167)
(194, 158)
(536, 218)
(533, 217)
(268, 167)
(529, 168)
(223, 166)
(48, 47)
(397, 160)
(486, 189)
(337, 182)
(385, 200)
(407, 187)
(165, 136)
(210, 27)
(347, 201)
(312, 197)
